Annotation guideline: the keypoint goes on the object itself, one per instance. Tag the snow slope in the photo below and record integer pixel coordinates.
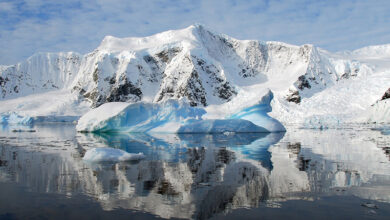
(222, 74)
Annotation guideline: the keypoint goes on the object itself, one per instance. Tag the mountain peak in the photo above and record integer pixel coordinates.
(189, 34)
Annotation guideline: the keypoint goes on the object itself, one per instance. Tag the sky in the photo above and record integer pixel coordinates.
(31, 26)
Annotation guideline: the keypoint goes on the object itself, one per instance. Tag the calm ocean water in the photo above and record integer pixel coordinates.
(336, 174)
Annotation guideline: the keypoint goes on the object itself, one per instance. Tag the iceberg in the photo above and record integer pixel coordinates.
(175, 116)
(110, 154)
(257, 114)
(14, 118)
(221, 126)
(164, 117)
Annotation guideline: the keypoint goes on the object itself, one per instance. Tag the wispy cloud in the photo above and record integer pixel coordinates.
(29, 26)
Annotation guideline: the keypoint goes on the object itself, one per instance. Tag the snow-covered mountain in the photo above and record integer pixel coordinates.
(210, 70)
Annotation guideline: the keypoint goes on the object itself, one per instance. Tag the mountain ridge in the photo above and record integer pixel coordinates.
(208, 69)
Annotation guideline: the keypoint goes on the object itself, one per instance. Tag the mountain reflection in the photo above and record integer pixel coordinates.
(198, 175)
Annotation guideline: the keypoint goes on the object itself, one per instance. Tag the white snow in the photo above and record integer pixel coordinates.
(110, 154)
(50, 106)
(379, 112)
(200, 65)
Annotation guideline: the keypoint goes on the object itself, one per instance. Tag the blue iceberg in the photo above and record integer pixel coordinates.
(175, 116)
(257, 114)
(15, 119)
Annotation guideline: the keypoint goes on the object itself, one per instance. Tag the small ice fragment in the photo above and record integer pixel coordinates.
(370, 205)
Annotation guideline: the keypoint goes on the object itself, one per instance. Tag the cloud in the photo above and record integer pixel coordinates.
(32, 26)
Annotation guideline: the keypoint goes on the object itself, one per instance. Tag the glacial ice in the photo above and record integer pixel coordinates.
(102, 154)
(139, 117)
(174, 116)
(221, 126)
(257, 114)
(14, 118)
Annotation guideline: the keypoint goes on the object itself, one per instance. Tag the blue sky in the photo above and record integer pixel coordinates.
(30, 26)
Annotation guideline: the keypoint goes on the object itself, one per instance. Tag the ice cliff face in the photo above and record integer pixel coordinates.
(207, 69)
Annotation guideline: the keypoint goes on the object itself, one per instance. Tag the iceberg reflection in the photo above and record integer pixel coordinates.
(198, 175)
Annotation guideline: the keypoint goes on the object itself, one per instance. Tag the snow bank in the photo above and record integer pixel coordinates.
(110, 154)
(379, 112)
(14, 118)
(139, 117)
(257, 114)
(221, 126)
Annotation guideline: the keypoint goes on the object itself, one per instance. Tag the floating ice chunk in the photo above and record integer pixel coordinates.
(139, 117)
(175, 116)
(110, 154)
(221, 126)
(14, 118)
(257, 114)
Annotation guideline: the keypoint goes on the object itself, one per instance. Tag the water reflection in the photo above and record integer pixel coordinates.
(196, 176)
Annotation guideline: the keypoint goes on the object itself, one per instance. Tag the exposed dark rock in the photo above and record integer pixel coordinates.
(303, 83)
(120, 93)
(386, 95)
(222, 89)
(95, 75)
(225, 91)
(193, 90)
(294, 97)
(112, 80)
(167, 55)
